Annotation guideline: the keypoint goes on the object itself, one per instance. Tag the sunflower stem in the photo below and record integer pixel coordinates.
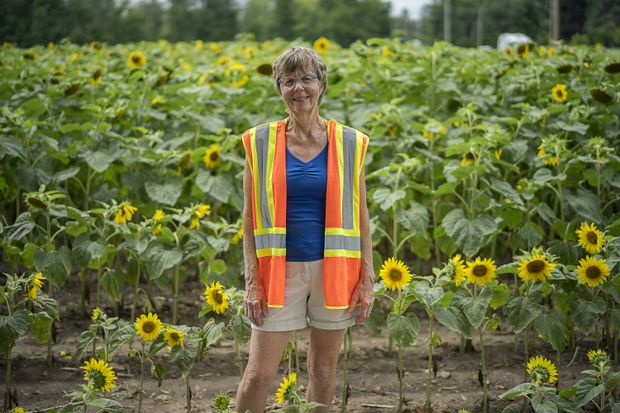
(238, 356)
(526, 352)
(7, 380)
(141, 378)
(401, 397)
(98, 297)
(135, 291)
(427, 405)
(483, 365)
(175, 299)
(188, 395)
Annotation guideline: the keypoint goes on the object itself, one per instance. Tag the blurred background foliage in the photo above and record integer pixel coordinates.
(472, 22)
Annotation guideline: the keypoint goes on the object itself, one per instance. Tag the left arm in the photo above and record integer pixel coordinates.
(364, 293)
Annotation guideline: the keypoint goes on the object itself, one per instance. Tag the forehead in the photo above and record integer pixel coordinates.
(299, 68)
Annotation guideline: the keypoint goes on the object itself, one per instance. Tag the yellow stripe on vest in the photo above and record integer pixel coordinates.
(271, 252)
(342, 253)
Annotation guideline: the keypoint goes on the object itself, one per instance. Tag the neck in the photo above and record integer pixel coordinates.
(305, 125)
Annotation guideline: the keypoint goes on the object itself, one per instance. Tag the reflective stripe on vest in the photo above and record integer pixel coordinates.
(266, 153)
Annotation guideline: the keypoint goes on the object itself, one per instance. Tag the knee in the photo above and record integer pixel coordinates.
(322, 371)
(257, 378)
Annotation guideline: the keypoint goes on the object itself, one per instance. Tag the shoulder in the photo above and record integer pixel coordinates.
(260, 131)
(349, 133)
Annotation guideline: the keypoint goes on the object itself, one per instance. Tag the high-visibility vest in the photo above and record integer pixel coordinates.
(265, 147)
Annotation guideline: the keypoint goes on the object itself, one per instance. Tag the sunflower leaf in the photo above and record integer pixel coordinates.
(386, 198)
(541, 405)
(585, 314)
(453, 319)
(107, 405)
(121, 336)
(403, 328)
(476, 308)
(553, 328)
(165, 193)
(41, 327)
(84, 340)
(517, 391)
(470, 235)
(521, 312)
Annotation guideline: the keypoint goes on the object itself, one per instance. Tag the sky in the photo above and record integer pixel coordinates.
(414, 7)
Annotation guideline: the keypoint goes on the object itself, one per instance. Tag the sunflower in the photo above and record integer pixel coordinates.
(215, 48)
(237, 237)
(395, 274)
(541, 370)
(211, 157)
(559, 93)
(480, 271)
(124, 213)
(96, 78)
(148, 326)
(187, 67)
(96, 314)
(535, 268)
(157, 229)
(135, 60)
(173, 337)
(468, 159)
(35, 286)
(159, 214)
(498, 153)
(239, 83)
(288, 389)
(597, 357)
(158, 100)
(221, 402)
(194, 223)
(321, 45)
(18, 409)
(99, 374)
(459, 269)
(202, 210)
(223, 60)
(199, 45)
(217, 298)
(592, 271)
(590, 238)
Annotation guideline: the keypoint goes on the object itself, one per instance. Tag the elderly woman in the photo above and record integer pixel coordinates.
(307, 245)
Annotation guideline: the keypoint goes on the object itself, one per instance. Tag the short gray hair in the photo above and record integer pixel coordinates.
(299, 57)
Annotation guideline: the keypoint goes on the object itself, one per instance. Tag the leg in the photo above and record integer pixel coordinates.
(265, 352)
(322, 359)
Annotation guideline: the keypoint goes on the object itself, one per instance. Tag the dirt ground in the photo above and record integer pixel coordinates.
(373, 379)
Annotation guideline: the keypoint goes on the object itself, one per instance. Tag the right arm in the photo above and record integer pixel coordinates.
(254, 303)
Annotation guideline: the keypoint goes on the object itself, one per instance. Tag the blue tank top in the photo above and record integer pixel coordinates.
(306, 183)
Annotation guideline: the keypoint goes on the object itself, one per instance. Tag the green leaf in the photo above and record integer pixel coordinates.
(219, 266)
(585, 314)
(213, 332)
(501, 293)
(403, 328)
(612, 381)
(585, 204)
(511, 408)
(41, 327)
(531, 234)
(121, 336)
(453, 319)
(55, 265)
(429, 296)
(505, 189)
(166, 193)
(476, 308)
(158, 259)
(158, 372)
(414, 219)
(183, 357)
(84, 340)
(386, 198)
(468, 234)
(521, 311)
(587, 390)
(98, 161)
(49, 305)
(542, 176)
(219, 187)
(11, 328)
(112, 282)
(241, 328)
(107, 405)
(517, 391)
(23, 226)
(554, 329)
(543, 406)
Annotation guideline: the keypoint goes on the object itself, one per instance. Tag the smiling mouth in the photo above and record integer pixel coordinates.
(301, 99)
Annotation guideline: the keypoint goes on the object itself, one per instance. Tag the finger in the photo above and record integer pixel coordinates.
(354, 300)
(265, 308)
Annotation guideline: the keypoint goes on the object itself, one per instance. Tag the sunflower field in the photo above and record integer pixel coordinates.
(494, 194)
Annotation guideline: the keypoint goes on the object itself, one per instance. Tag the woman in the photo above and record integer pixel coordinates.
(306, 239)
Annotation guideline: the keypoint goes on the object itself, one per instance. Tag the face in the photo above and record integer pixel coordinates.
(300, 91)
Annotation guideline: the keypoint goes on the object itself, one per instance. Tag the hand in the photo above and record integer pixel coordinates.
(255, 304)
(364, 295)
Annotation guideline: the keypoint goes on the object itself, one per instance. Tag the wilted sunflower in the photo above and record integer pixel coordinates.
(592, 271)
(148, 326)
(124, 213)
(173, 337)
(535, 268)
(541, 370)
(216, 297)
(35, 286)
(590, 238)
(395, 274)
(99, 374)
(321, 45)
(559, 93)
(136, 60)
(597, 357)
(211, 157)
(480, 271)
(459, 269)
(288, 389)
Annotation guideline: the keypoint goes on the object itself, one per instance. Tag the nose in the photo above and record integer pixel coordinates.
(297, 84)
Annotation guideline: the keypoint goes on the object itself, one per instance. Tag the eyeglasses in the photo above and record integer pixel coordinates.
(289, 82)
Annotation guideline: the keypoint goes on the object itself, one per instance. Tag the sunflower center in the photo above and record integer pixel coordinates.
(217, 297)
(97, 378)
(214, 156)
(593, 272)
(559, 93)
(535, 266)
(175, 337)
(395, 275)
(541, 374)
(148, 327)
(480, 270)
(470, 156)
(592, 237)
(136, 59)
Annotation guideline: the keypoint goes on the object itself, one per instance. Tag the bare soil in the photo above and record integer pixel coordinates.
(372, 368)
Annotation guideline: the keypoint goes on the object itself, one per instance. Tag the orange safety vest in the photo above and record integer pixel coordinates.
(265, 147)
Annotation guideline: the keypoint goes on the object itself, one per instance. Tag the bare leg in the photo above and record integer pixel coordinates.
(265, 353)
(322, 360)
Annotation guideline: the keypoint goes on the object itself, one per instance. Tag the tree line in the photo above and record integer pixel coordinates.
(471, 22)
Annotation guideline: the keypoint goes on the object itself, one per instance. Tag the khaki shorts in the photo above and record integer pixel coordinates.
(304, 302)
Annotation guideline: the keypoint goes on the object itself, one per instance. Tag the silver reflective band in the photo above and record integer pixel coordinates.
(348, 142)
(270, 241)
(342, 242)
(262, 146)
